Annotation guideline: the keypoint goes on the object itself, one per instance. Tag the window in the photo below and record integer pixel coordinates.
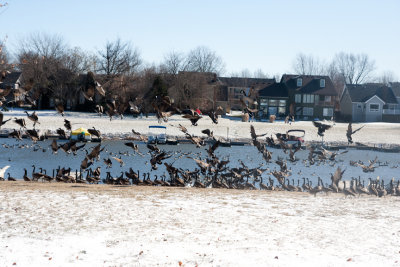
(299, 82)
(297, 98)
(374, 107)
(322, 83)
(327, 112)
(282, 103)
(282, 110)
(273, 102)
(308, 98)
(308, 111)
(328, 98)
(359, 106)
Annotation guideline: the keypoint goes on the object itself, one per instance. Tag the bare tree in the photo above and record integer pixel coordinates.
(47, 46)
(4, 59)
(50, 66)
(308, 65)
(119, 58)
(259, 73)
(192, 89)
(202, 59)
(173, 62)
(77, 60)
(40, 58)
(386, 77)
(337, 78)
(355, 68)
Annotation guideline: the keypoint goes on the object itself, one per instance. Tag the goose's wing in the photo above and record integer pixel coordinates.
(353, 132)
(3, 170)
(100, 89)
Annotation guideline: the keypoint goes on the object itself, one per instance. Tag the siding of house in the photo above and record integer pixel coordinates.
(346, 105)
(371, 115)
(358, 113)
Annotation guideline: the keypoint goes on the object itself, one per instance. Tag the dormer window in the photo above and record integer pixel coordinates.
(322, 83)
(299, 82)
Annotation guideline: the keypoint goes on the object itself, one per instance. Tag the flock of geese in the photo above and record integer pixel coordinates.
(211, 171)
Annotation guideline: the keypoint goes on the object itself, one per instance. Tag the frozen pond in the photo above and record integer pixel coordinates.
(23, 154)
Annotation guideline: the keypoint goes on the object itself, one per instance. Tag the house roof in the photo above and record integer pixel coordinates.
(274, 90)
(364, 92)
(209, 77)
(395, 88)
(310, 84)
(244, 82)
(10, 78)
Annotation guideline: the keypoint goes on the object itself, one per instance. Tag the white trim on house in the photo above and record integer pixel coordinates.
(373, 97)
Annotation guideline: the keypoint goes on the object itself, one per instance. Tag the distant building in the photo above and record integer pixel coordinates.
(12, 81)
(307, 96)
(234, 87)
(369, 102)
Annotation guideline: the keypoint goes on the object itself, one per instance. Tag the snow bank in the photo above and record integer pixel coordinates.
(66, 225)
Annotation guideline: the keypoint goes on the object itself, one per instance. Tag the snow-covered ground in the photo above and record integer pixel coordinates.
(231, 127)
(67, 225)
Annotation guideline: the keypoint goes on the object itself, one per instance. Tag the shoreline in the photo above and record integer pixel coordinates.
(378, 133)
(333, 145)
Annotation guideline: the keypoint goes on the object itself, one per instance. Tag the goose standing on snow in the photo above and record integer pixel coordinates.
(9, 178)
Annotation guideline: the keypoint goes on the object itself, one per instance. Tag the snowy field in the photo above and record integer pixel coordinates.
(67, 225)
(231, 127)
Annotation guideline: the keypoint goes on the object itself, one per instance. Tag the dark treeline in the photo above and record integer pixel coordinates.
(52, 71)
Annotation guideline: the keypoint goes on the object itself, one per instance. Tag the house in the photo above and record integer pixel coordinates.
(312, 96)
(307, 96)
(396, 91)
(12, 81)
(233, 88)
(69, 93)
(369, 102)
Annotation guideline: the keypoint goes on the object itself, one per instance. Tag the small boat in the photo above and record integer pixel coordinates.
(293, 137)
(157, 134)
(81, 134)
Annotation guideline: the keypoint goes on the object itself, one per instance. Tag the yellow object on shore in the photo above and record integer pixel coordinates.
(80, 133)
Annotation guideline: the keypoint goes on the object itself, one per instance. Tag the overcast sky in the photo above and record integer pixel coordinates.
(248, 34)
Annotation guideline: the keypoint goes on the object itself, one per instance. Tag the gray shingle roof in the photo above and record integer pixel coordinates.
(10, 79)
(363, 92)
(310, 84)
(395, 88)
(244, 82)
